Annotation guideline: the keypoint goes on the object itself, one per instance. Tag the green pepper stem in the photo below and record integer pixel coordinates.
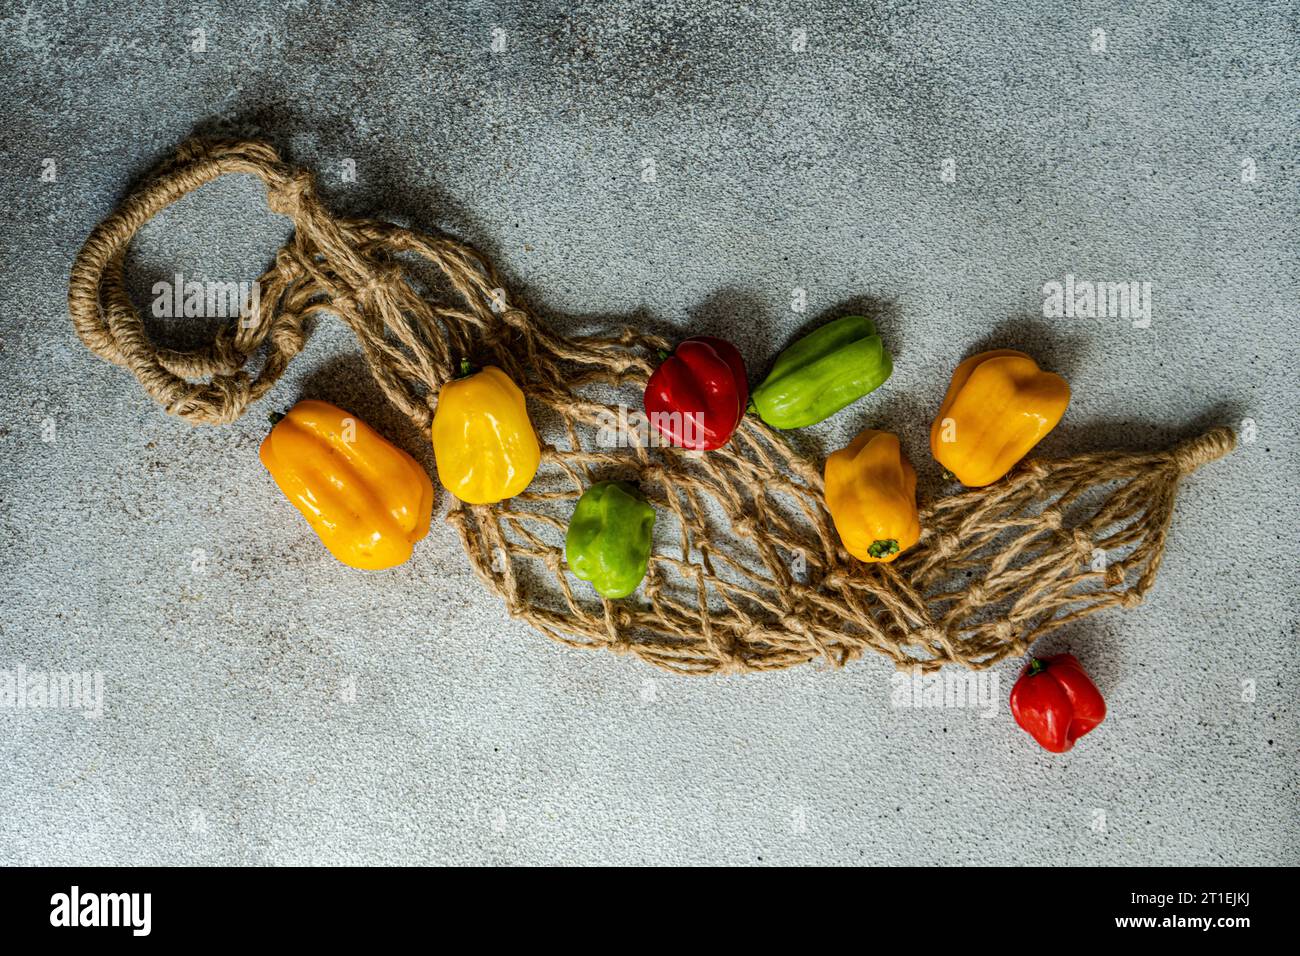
(466, 369)
(1036, 666)
(275, 418)
(880, 549)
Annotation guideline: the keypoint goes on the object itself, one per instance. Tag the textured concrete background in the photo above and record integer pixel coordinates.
(229, 732)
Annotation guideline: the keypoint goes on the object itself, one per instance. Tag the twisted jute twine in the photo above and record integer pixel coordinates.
(747, 574)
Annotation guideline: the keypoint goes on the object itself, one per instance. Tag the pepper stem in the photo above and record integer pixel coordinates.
(1036, 666)
(663, 355)
(880, 549)
(466, 369)
(275, 418)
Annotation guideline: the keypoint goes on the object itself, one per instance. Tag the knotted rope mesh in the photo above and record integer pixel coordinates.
(747, 572)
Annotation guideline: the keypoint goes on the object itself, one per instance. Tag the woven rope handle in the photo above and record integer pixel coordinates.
(346, 267)
(107, 320)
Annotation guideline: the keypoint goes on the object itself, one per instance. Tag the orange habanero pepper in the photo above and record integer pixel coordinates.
(871, 495)
(1000, 405)
(367, 499)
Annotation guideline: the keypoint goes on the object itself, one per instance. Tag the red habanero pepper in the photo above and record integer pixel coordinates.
(697, 397)
(1056, 702)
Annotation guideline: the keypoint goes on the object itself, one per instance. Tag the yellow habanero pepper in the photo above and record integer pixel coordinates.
(368, 500)
(483, 440)
(1000, 404)
(871, 495)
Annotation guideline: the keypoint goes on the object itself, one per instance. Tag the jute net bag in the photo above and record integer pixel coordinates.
(747, 573)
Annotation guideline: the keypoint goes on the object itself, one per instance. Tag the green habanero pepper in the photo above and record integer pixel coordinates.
(608, 542)
(822, 372)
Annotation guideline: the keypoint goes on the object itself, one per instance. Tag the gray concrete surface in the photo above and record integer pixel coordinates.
(269, 706)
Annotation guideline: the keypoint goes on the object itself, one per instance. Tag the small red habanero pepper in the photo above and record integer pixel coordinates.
(697, 397)
(1056, 702)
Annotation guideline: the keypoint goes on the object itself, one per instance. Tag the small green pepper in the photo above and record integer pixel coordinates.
(608, 542)
(821, 373)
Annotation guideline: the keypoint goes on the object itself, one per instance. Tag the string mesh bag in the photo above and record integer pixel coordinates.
(747, 572)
